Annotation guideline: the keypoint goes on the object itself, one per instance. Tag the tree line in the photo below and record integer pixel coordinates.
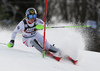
(67, 10)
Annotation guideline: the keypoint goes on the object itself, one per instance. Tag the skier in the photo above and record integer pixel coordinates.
(31, 37)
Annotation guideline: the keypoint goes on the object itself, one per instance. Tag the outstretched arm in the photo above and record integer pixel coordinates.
(17, 29)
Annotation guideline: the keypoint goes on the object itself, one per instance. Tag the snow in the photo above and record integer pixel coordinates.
(71, 42)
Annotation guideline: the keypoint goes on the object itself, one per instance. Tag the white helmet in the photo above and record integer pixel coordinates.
(31, 13)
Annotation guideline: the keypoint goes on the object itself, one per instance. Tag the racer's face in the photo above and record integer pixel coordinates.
(31, 20)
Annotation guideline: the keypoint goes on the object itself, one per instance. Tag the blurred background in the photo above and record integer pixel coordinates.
(79, 12)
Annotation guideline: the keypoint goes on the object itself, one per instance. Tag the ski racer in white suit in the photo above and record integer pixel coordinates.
(31, 37)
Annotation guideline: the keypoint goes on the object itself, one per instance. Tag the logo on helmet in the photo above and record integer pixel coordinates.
(32, 11)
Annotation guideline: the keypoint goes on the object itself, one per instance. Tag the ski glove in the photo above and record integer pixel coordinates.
(10, 44)
(39, 27)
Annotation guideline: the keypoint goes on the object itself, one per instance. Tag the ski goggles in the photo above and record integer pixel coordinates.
(32, 16)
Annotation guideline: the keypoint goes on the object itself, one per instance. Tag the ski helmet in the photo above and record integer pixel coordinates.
(31, 13)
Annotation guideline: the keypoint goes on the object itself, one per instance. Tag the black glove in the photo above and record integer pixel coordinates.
(12, 43)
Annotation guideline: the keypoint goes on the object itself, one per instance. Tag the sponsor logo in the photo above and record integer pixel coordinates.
(32, 11)
(30, 29)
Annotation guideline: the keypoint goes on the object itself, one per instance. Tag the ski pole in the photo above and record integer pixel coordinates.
(3, 43)
(9, 45)
(39, 27)
(67, 26)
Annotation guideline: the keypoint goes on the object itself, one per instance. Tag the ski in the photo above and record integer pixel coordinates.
(52, 56)
(59, 58)
(72, 60)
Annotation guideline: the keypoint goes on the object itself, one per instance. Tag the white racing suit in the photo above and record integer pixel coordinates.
(31, 37)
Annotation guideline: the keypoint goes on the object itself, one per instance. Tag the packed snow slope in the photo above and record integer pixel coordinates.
(70, 41)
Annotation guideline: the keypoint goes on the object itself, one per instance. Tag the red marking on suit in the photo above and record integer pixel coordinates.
(25, 42)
